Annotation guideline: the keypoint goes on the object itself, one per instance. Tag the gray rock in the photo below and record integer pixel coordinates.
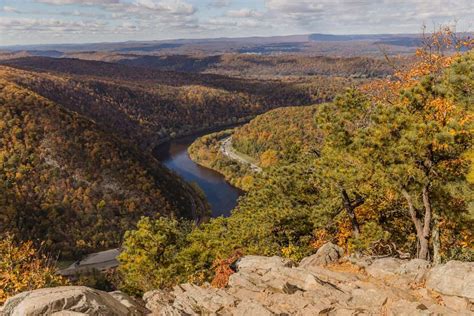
(68, 313)
(458, 303)
(250, 307)
(192, 299)
(135, 306)
(368, 298)
(78, 299)
(158, 300)
(328, 253)
(384, 267)
(252, 263)
(415, 270)
(454, 278)
(407, 308)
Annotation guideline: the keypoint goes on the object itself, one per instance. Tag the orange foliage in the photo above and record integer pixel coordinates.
(223, 270)
(438, 51)
(24, 268)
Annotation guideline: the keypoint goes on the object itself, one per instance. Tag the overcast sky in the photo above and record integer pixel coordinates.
(76, 21)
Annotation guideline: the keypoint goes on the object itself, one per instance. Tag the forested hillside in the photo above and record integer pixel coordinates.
(287, 132)
(386, 173)
(279, 136)
(65, 181)
(150, 105)
(254, 65)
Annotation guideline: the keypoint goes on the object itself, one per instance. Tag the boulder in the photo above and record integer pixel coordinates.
(454, 278)
(384, 267)
(328, 253)
(136, 307)
(252, 263)
(415, 270)
(67, 300)
(192, 299)
(250, 307)
(158, 300)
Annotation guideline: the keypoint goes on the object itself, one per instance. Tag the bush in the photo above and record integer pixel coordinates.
(24, 268)
(148, 260)
(373, 240)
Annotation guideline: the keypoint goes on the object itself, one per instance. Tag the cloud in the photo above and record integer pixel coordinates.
(85, 2)
(50, 25)
(220, 3)
(158, 19)
(243, 13)
(366, 16)
(8, 9)
(178, 7)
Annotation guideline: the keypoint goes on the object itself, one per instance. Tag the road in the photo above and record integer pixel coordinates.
(227, 149)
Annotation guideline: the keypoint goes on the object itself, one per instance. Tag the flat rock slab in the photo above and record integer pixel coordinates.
(68, 300)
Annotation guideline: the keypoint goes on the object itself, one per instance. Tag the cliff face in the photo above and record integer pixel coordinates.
(323, 284)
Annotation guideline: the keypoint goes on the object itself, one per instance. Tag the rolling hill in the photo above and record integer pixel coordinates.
(67, 182)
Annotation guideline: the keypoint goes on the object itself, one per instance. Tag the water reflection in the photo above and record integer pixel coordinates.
(220, 194)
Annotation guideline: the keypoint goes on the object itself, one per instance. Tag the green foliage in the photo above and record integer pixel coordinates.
(149, 257)
(289, 131)
(460, 253)
(206, 151)
(372, 234)
(97, 280)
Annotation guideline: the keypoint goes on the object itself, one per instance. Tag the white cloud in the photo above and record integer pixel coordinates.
(9, 9)
(243, 13)
(86, 2)
(178, 7)
(220, 3)
(49, 25)
(158, 19)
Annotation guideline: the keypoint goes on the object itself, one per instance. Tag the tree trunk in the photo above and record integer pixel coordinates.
(423, 229)
(424, 251)
(350, 209)
(436, 241)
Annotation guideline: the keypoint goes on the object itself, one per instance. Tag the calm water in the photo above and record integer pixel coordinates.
(220, 194)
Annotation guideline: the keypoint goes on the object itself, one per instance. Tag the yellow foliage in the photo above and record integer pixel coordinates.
(23, 268)
(268, 158)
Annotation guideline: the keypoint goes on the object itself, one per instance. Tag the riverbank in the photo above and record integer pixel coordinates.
(221, 195)
(215, 151)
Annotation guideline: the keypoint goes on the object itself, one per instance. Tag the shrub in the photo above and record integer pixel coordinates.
(24, 268)
(148, 260)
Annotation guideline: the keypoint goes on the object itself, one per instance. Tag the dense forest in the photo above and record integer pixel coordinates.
(383, 170)
(254, 65)
(278, 136)
(150, 106)
(381, 167)
(66, 182)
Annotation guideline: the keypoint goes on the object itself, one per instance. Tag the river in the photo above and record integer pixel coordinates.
(221, 195)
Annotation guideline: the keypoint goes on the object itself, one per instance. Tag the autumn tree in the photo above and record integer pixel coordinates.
(24, 268)
(420, 134)
(341, 170)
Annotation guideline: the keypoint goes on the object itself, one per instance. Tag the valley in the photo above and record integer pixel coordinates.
(192, 162)
(221, 196)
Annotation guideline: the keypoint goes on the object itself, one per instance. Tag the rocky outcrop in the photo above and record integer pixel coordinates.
(323, 284)
(276, 286)
(454, 278)
(72, 300)
(328, 253)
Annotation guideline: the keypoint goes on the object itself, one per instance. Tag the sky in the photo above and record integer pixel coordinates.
(88, 21)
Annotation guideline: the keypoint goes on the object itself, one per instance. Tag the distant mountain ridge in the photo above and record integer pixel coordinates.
(325, 44)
